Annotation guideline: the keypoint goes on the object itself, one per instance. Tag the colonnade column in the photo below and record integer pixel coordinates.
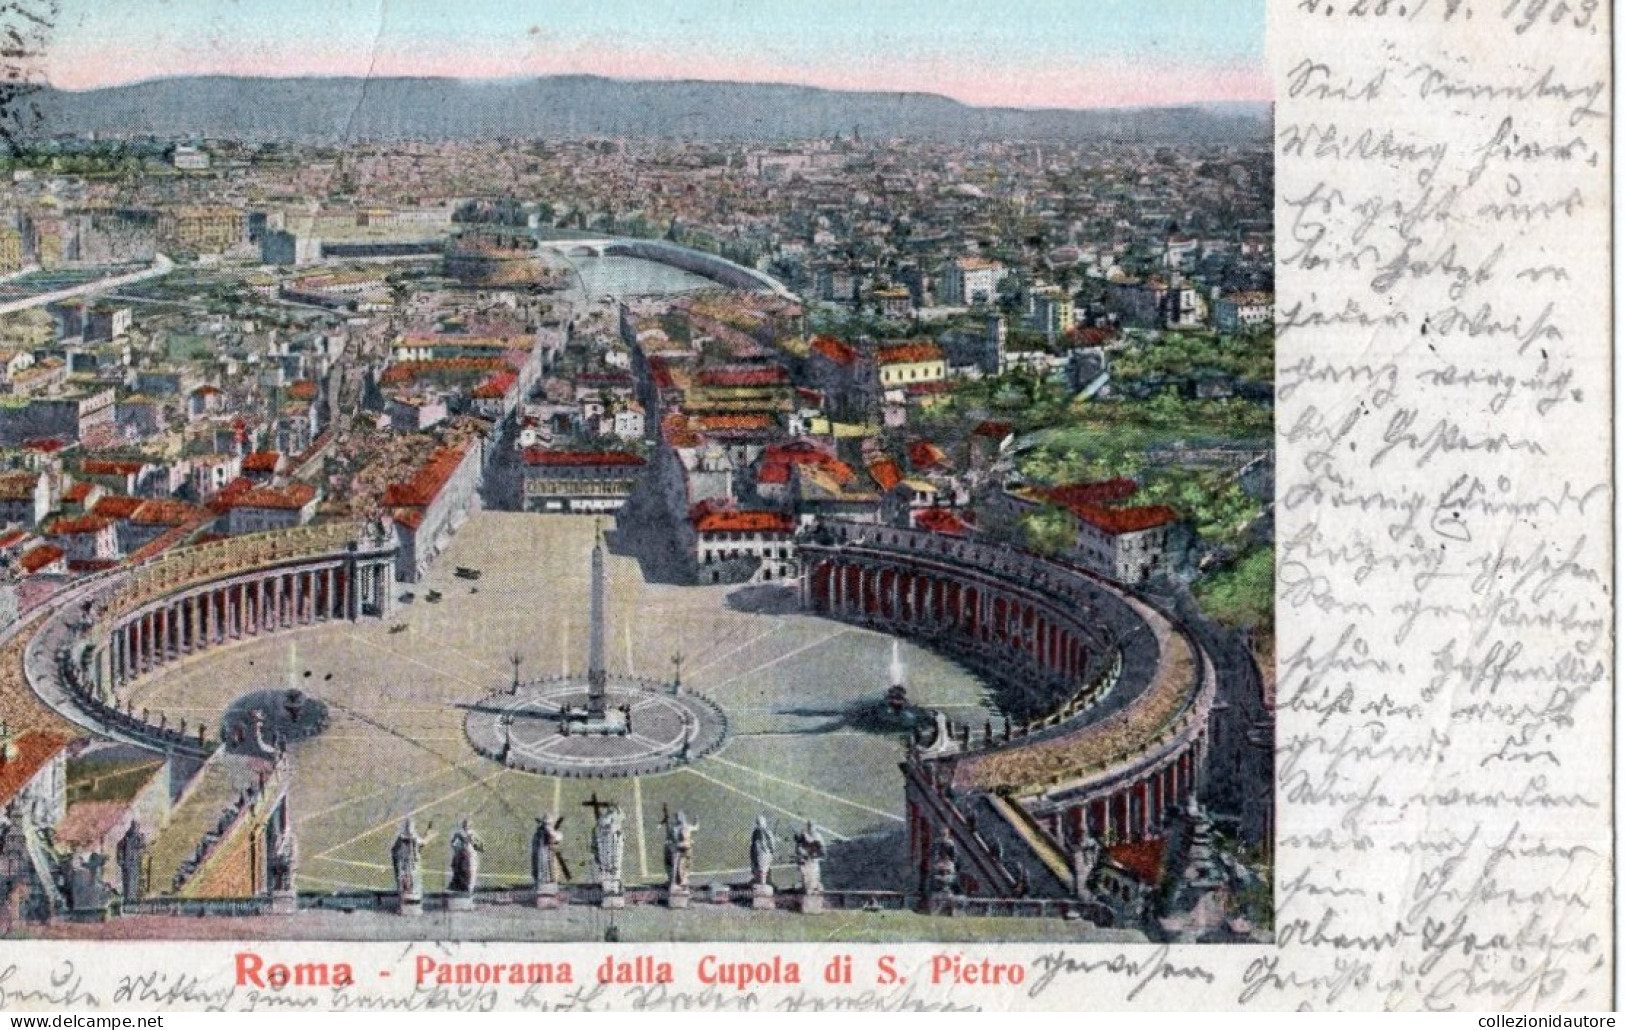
(352, 598)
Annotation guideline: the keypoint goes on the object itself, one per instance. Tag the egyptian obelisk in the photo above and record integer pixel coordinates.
(596, 676)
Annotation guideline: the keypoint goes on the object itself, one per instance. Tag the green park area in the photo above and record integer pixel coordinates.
(1178, 405)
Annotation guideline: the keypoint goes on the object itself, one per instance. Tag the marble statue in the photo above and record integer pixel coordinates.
(466, 846)
(545, 861)
(1085, 857)
(945, 868)
(810, 859)
(407, 857)
(132, 847)
(679, 851)
(608, 845)
(283, 861)
(761, 852)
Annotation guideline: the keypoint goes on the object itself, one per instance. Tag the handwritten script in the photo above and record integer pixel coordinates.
(1444, 688)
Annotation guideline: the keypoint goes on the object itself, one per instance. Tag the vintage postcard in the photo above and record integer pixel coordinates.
(623, 505)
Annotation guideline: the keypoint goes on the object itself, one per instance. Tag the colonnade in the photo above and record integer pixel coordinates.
(1135, 808)
(1057, 626)
(973, 609)
(243, 606)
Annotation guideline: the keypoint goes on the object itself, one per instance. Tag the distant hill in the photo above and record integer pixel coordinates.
(331, 110)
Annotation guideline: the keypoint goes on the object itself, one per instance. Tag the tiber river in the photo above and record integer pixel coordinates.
(620, 277)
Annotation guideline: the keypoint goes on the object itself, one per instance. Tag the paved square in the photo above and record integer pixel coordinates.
(395, 744)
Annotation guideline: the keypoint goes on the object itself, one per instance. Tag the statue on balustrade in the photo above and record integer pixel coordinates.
(608, 846)
(283, 861)
(945, 868)
(132, 848)
(810, 859)
(545, 861)
(761, 852)
(407, 856)
(466, 847)
(679, 850)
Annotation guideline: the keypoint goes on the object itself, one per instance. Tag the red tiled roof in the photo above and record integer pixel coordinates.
(579, 459)
(1090, 337)
(764, 375)
(77, 492)
(744, 521)
(1142, 859)
(940, 520)
(261, 461)
(828, 346)
(34, 749)
(407, 371)
(1126, 520)
(908, 353)
(924, 454)
(223, 498)
(495, 387)
(288, 498)
(886, 473)
(40, 557)
(165, 512)
(993, 430)
(411, 518)
(116, 506)
(100, 467)
(779, 459)
(660, 373)
(919, 389)
(303, 390)
(45, 445)
(75, 526)
(723, 423)
(91, 564)
(12, 536)
(426, 482)
(674, 429)
(1074, 495)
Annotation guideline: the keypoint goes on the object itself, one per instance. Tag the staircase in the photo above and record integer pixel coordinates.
(214, 790)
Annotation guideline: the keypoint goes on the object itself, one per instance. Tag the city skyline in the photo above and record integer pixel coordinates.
(1113, 54)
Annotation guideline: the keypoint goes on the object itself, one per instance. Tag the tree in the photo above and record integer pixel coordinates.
(1049, 531)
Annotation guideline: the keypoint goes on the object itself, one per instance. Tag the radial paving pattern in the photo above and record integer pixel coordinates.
(527, 729)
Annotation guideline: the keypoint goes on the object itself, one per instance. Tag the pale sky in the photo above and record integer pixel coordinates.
(1031, 53)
